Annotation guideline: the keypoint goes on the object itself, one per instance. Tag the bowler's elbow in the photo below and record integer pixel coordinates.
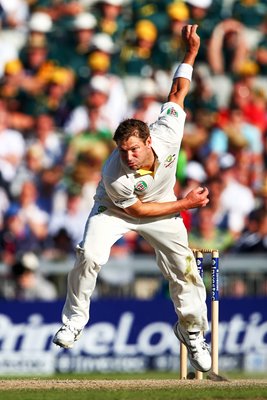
(175, 97)
(136, 210)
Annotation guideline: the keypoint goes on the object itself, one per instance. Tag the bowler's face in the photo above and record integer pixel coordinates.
(135, 153)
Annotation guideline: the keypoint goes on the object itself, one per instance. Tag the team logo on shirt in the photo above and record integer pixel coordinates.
(140, 186)
(169, 160)
(171, 111)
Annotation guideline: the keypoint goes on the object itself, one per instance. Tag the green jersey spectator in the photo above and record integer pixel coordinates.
(142, 57)
(250, 12)
(154, 11)
(206, 235)
(171, 44)
(75, 49)
(111, 18)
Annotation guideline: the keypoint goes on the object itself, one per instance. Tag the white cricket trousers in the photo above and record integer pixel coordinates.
(168, 236)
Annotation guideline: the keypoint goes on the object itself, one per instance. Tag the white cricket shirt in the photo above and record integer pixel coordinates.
(120, 187)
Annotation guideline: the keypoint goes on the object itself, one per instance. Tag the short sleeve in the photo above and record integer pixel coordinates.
(171, 120)
(120, 193)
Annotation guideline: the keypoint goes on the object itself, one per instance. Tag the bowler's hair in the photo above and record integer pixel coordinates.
(131, 127)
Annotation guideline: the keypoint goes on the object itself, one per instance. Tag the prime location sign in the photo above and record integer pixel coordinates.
(125, 335)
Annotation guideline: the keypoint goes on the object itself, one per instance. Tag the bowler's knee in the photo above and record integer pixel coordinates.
(88, 259)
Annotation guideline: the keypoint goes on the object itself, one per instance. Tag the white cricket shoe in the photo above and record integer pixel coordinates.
(198, 350)
(66, 336)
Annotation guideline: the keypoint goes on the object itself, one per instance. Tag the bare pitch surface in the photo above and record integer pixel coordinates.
(126, 384)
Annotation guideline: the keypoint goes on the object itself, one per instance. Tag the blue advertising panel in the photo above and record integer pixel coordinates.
(125, 335)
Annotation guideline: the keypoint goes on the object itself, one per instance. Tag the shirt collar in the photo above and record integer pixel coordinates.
(142, 172)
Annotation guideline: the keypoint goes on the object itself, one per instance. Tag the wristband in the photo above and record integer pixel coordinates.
(184, 71)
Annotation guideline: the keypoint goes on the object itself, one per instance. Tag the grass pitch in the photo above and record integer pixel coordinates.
(150, 386)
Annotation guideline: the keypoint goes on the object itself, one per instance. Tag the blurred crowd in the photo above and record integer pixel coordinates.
(71, 70)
